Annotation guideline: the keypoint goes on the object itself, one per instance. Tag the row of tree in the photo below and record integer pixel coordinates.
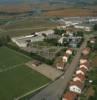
(93, 46)
(4, 40)
(61, 31)
(95, 27)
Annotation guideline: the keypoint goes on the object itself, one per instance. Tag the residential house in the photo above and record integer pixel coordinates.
(92, 40)
(60, 65)
(86, 51)
(80, 72)
(69, 96)
(79, 77)
(84, 65)
(83, 70)
(83, 60)
(76, 87)
(65, 58)
(69, 51)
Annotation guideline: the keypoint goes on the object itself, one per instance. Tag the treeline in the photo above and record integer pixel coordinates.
(32, 55)
(4, 40)
(16, 13)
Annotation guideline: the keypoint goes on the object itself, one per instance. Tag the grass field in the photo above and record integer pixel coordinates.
(16, 79)
(10, 58)
(19, 81)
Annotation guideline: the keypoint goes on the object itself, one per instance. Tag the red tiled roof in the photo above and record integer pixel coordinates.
(86, 51)
(82, 77)
(70, 49)
(77, 83)
(60, 63)
(69, 96)
(86, 64)
(66, 55)
(83, 70)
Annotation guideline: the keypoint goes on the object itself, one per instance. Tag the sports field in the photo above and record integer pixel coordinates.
(16, 79)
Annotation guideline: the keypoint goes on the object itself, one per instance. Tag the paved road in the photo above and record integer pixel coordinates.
(55, 90)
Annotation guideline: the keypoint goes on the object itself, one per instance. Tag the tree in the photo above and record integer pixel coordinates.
(8, 38)
(95, 27)
(80, 33)
(59, 31)
(4, 40)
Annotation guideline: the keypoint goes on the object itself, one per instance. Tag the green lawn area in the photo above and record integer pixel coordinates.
(10, 58)
(19, 81)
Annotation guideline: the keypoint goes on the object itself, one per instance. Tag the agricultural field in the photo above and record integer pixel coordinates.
(70, 12)
(29, 22)
(16, 79)
(26, 26)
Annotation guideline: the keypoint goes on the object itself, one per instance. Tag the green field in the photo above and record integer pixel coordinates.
(10, 58)
(20, 79)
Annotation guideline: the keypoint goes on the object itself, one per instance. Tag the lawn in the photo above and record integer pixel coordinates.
(10, 58)
(18, 81)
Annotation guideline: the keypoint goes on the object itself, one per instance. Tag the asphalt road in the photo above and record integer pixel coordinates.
(55, 90)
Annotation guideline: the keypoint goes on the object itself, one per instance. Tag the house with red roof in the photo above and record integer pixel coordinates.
(65, 58)
(69, 51)
(69, 96)
(86, 51)
(60, 65)
(76, 87)
(92, 40)
(79, 77)
(85, 65)
(83, 60)
(80, 72)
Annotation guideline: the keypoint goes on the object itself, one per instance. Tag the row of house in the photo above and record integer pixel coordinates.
(77, 83)
(64, 59)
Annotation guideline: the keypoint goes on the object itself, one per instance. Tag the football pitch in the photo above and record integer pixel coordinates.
(16, 79)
